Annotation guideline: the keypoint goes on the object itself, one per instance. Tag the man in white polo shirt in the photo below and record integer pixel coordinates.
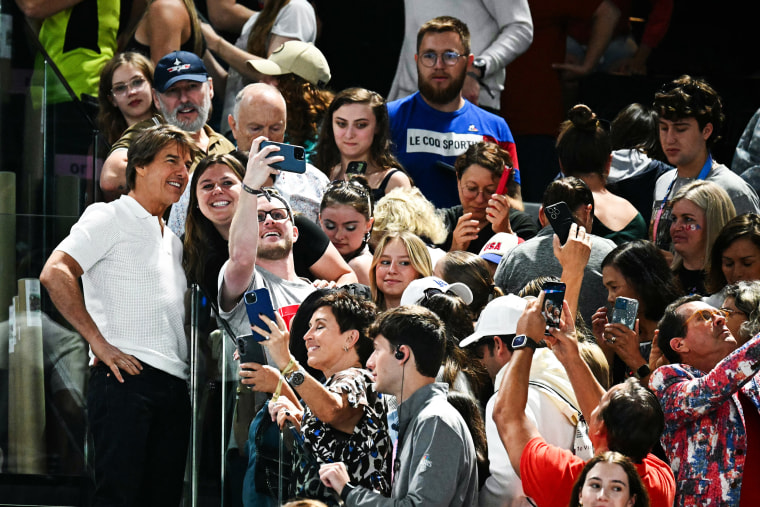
(132, 315)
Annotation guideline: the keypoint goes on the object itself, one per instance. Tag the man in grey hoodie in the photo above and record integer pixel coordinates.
(435, 458)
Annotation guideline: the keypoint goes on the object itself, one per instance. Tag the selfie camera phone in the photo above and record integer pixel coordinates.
(560, 218)
(249, 349)
(356, 168)
(554, 295)
(258, 302)
(295, 157)
(625, 311)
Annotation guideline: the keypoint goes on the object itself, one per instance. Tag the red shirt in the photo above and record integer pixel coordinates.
(548, 474)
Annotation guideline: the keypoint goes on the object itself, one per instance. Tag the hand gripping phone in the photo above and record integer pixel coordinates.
(295, 157)
(356, 168)
(554, 295)
(625, 311)
(560, 218)
(258, 302)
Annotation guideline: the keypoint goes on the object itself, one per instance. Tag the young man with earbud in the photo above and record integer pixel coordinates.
(435, 458)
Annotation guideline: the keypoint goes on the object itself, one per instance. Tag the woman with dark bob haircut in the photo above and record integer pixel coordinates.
(639, 271)
(344, 418)
(735, 255)
(613, 476)
(356, 129)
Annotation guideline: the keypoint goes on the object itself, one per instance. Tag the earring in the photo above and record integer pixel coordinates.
(345, 348)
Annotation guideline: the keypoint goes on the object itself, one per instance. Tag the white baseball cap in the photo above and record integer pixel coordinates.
(300, 58)
(415, 291)
(499, 317)
(499, 244)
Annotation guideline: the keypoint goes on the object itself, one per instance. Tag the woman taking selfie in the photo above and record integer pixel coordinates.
(343, 419)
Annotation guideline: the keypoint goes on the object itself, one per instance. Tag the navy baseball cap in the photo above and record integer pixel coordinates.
(178, 66)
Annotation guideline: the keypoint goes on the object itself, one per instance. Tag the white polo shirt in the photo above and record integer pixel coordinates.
(134, 284)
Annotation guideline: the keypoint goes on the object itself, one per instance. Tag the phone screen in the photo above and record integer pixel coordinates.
(554, 295)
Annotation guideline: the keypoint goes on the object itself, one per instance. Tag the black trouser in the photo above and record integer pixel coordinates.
(140, 433)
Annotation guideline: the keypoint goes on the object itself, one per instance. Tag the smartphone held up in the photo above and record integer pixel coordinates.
(554, 295)
(295, 157)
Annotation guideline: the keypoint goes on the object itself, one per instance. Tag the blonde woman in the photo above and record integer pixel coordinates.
(406, 209)
(399, 258)
(699, 212)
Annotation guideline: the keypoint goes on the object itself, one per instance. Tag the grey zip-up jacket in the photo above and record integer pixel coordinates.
(436, 453)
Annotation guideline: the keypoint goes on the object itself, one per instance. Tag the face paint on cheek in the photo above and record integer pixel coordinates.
(693, 227)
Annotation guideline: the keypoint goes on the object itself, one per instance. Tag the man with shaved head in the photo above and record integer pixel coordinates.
(260, 110)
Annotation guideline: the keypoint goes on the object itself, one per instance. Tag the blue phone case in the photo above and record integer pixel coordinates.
(258, 302)
(295, 157)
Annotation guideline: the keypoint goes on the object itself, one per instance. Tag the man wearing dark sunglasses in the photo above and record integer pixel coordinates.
(710, 398)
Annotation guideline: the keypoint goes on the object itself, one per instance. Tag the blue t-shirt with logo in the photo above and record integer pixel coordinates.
(427, 141)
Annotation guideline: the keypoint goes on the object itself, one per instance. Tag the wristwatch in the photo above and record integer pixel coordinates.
(521, 341)
(296, 378)
(642, 371)
(480, 65)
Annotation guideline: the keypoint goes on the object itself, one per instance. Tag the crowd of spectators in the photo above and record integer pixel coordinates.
(413, 357)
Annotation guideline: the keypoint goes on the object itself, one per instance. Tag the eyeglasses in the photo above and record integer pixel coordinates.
(473, 192)
(707, 315)
(730, 311)
(277, 214)
(123, 88)
(450, 58)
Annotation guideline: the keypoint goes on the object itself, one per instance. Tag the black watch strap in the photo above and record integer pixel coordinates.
(642, 371)
(522, 341)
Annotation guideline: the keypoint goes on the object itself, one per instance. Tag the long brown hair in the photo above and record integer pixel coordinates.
(110, 119)
(258, 39)
(201, 236)
(380, 151)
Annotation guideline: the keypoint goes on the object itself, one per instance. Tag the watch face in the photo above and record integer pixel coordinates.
(519, 341)
(297, 378)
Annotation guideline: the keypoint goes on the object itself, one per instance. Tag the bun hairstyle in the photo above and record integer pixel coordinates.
(583, 145)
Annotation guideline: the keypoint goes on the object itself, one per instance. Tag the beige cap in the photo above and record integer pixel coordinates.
(297, 57)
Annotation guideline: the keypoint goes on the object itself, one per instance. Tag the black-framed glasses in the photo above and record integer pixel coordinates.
(277, 214)
(449, 58)
(123, 88)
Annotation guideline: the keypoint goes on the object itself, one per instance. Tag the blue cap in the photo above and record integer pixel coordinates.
(178, 66)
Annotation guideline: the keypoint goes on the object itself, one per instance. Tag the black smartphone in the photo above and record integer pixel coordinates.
(356, 168)
(625, 311)
(554, 295)
(560, 218)
(295, 157)
(250, 350)
(258, 302)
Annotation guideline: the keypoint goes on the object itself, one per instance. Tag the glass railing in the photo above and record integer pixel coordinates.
(50, 156)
